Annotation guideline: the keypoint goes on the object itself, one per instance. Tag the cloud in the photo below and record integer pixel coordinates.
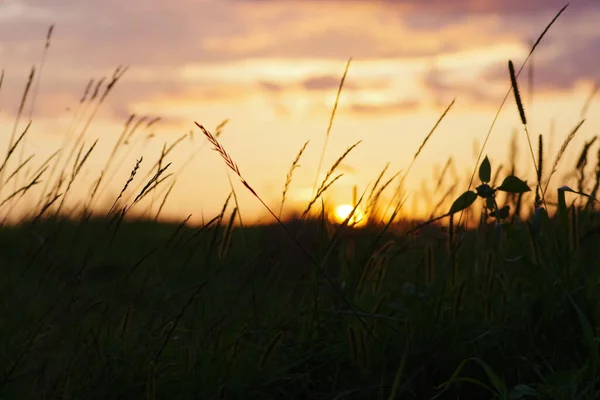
(322, 83)
(572, 62)
(444, 86)
(454, 7)
(378, 109)
(271, 87)
(280, 48)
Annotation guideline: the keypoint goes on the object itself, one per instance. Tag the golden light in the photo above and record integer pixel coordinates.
(343, 211)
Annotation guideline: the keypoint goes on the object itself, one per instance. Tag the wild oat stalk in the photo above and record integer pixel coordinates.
(25, 188)
(164, 200)
(443, 172)
(131, 146)
(76, 169)
(372, 202)
(47, 161)
(151, 185)
(128, 130)
(331, 118)
(325, 184)
(42, 64)
(11, 150)
(131, 177)
(288, 178)
(21, 106)
(318, 195)
(412, 162)
(376, 184)
(44, 208)
(239, 214)
(218, 132)
(165, 152)
(588, 101)
(37, 84)
(232, 165)
(561, 152)
(117, 75)
(19, 168)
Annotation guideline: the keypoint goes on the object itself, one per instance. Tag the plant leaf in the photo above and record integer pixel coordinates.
(502, 212)
(512, 184)
(490, 203)
(485, 170)
(520, 391)
(568, 189)
(463, 201)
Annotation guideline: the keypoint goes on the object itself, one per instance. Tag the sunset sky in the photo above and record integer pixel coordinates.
(272, 67)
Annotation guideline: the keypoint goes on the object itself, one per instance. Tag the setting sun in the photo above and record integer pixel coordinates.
(343, 211)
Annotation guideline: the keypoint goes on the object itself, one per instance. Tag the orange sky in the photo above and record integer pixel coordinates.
(273, 67)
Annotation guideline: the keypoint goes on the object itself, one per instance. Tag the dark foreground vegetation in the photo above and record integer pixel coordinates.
(496, 298)
(164, 311)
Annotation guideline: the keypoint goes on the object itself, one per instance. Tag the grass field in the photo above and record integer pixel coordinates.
(496, 298)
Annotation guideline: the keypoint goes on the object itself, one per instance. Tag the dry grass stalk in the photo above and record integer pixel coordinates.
(45, 208)
(11, 150)
(588, 101)
(319, 193)
(582, 163)
(131, 177)
(19, 168)
(76, 169)
(561, 152)
(288, 178)
(21, 106)
(444, 171)
(331, 118)
(151, 185)
(25, 188)
(117, 75)
(418, 152)
(164, 153)
(325, 185)
(372, 203)
(377, 181)
(226, 240)
(164, 200)
(224, 155)
(192, 156)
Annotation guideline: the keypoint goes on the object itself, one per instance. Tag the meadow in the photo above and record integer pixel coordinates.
(495, 298)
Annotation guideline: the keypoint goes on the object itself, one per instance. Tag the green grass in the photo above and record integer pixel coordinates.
(496, 298)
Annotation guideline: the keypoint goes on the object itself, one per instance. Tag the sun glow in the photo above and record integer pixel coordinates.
(343, 211)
